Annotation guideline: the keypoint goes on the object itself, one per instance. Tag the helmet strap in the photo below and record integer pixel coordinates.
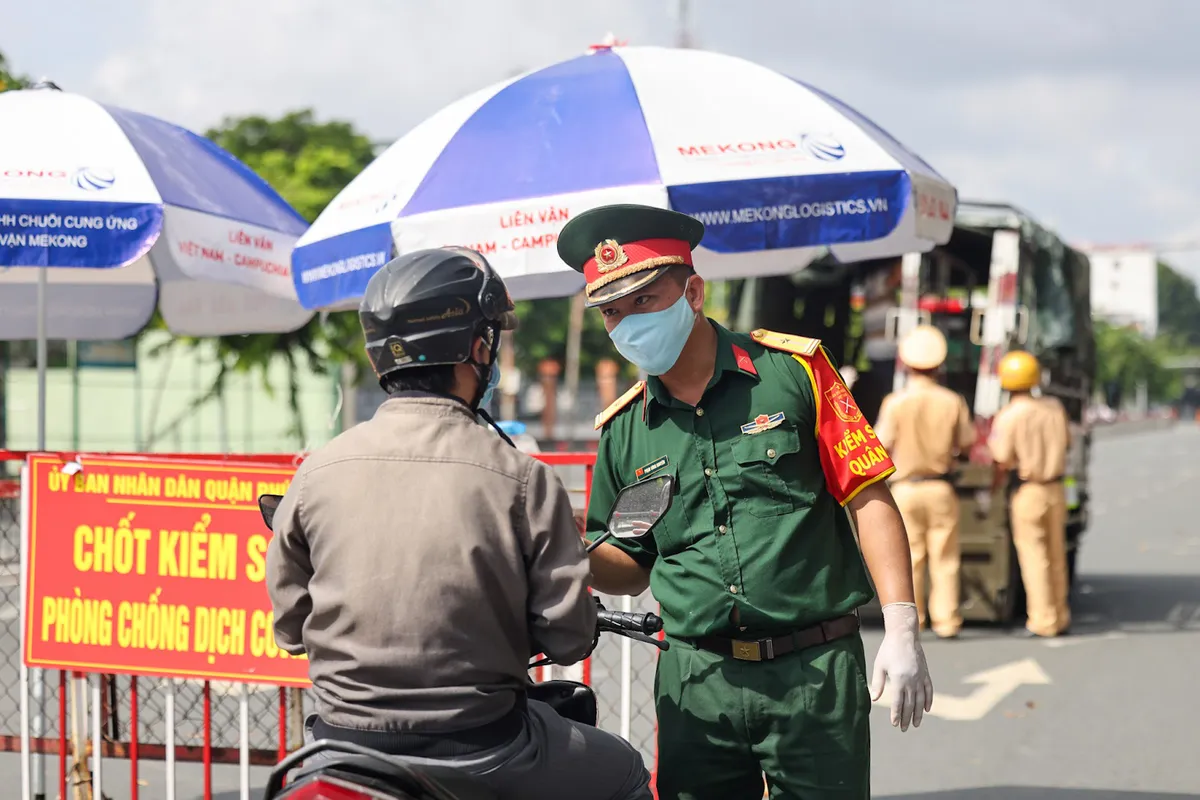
(483, 372)
(488, 418)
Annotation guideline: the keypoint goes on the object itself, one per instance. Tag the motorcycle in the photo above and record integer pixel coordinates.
(349, 771)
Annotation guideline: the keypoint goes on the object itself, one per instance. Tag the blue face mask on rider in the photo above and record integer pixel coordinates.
(653, 341)
(493, 382)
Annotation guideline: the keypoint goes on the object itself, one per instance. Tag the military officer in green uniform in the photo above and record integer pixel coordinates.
(755, 566)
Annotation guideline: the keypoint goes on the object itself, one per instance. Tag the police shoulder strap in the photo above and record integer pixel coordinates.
(788, 343)
(622, 401)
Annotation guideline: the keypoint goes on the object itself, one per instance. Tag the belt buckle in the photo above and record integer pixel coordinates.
(752, 651)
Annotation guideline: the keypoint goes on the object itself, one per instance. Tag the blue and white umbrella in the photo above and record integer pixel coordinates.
(127, 213)
(776, 169)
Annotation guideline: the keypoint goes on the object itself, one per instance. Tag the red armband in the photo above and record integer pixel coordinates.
(852, 456)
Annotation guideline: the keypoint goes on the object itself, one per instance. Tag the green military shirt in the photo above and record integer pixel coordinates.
(763, 465)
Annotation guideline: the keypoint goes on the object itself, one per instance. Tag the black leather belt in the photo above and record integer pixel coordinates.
(776, 646)
(1048, 482)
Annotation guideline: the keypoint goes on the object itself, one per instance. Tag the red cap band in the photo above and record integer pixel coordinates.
(616, 257)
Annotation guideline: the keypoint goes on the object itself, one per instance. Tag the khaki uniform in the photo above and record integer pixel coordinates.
(1031, 436)
(923, 428)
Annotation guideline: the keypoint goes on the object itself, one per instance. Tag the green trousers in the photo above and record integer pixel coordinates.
(802, 719)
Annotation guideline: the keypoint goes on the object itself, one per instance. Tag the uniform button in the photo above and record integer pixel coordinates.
(733, 589)
(699, 412)
(721, 529)
(771, 452)
(707, 472)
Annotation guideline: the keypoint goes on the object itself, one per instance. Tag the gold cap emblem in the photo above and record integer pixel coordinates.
(609, 256)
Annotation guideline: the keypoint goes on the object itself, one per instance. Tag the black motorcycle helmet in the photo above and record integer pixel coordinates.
(427, 308)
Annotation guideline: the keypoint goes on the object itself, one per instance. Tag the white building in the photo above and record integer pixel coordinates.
(1125, 286)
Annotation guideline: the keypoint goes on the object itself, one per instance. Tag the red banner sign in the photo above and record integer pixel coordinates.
(153, 568)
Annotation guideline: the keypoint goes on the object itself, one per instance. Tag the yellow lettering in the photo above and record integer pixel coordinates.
(168, 556)
(140, 485)
(197, 555)
(77, 621)
(141, 537)
(222, 556)
(221, 631)
(182, 487)
(83, 539)
(92, 482)
(150, 626)
(271, 487)
(49, 607)
(229, 490)
(256, 547)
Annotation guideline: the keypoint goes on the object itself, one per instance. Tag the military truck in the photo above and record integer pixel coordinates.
(1002, 282)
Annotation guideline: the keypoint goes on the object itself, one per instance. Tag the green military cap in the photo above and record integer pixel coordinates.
(623, 247)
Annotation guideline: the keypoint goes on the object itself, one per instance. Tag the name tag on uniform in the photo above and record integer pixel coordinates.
(653, 466)
(763, 422)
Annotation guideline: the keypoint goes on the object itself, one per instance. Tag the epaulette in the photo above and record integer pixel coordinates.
(788, 343)
(622, 401)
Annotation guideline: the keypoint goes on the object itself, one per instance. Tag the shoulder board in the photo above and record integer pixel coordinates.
(788, 343)
(622, 401)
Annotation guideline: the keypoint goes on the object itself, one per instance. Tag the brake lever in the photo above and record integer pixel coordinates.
(661, 644)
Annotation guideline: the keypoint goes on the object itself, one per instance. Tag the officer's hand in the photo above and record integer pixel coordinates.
(901, 662)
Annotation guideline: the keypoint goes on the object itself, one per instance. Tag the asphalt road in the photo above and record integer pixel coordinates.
(1108, 713)
(1116, 714)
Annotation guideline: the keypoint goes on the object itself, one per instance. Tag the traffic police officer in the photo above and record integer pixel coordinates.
(755, 565)
(924, 427)
(1029, 442)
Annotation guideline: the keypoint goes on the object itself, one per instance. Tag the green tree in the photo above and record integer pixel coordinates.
(308, 163)
(543, 334)
(1178, 307)
(10, 79)
(1125, 358)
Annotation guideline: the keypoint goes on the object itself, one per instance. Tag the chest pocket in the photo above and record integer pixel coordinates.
(768, 471)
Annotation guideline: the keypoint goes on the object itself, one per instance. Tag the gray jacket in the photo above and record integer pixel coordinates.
(420, 561)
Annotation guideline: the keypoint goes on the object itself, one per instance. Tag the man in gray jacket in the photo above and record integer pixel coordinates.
(419, 560)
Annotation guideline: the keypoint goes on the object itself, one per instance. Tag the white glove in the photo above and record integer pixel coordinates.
(901, 662)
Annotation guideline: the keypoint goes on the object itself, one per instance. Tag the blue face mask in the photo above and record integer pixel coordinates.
(653, 341)
(493, 382)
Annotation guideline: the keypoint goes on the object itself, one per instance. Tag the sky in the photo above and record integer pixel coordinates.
(1082, 112)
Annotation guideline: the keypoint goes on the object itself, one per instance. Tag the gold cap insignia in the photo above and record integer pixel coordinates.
(609, 256)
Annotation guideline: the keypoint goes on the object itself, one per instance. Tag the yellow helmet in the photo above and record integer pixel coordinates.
(923, 348)
(1019, 371)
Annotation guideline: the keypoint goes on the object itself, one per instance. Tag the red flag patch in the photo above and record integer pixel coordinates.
(743, 360)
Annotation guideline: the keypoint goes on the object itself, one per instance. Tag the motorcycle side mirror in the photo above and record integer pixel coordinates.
(638, 508)
(268, 504)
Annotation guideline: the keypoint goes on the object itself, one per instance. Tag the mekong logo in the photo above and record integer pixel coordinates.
(822, 147)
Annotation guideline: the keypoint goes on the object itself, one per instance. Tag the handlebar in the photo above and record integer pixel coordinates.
(623, 621)
(638, 627)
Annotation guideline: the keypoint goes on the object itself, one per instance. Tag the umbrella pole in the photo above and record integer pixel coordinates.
(39, 675)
